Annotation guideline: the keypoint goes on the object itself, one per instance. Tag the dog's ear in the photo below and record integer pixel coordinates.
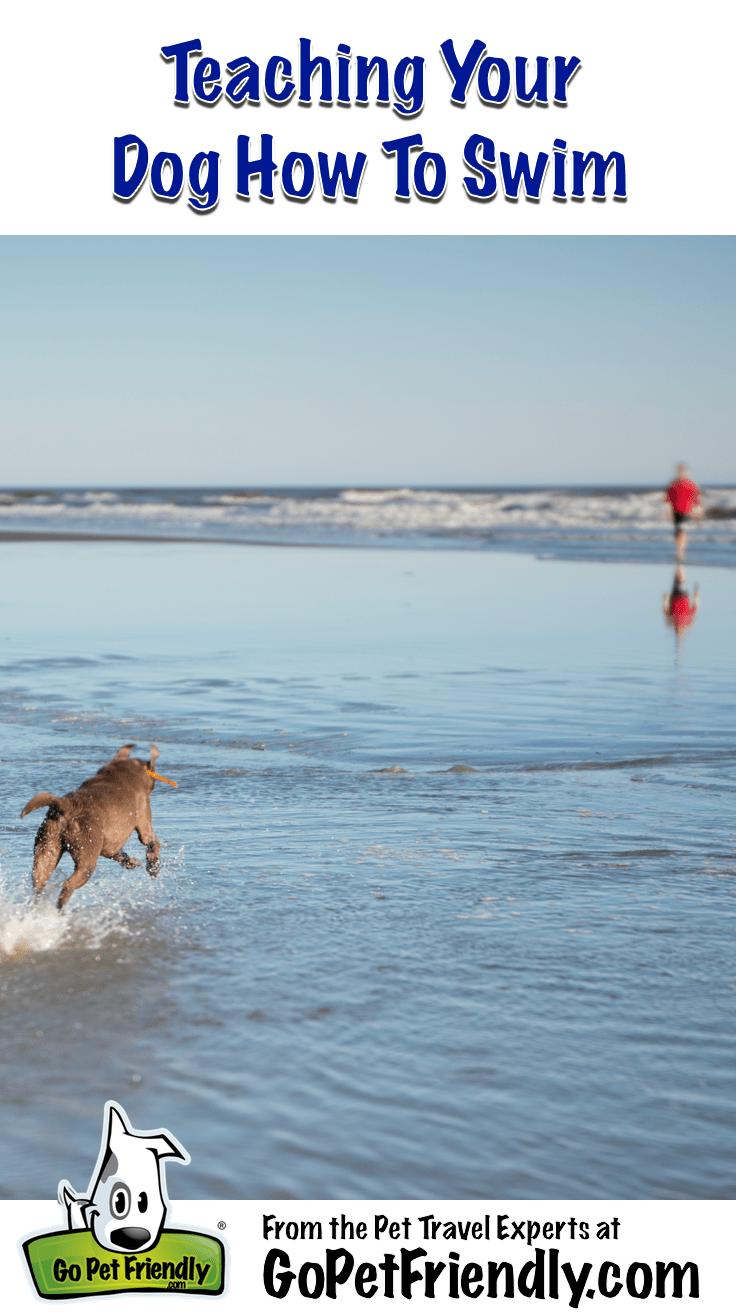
(154, 753)
(124, 752)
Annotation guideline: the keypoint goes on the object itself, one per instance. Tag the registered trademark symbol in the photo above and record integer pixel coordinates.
(221, 1226)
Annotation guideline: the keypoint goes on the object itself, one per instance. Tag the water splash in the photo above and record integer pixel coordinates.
(28, 927)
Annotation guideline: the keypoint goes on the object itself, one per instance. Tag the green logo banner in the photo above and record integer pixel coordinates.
(71, 1264)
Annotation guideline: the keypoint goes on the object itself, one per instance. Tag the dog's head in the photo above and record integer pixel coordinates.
(127, 1201)
(123, 754)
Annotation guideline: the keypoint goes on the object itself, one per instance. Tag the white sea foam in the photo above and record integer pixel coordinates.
(356, 513)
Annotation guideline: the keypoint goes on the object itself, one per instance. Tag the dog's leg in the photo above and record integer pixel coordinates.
(79, 877)
(46, 853)
(148, 838)
(125, 860)
(153, 861)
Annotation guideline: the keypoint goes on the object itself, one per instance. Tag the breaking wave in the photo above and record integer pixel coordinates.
(518, 518)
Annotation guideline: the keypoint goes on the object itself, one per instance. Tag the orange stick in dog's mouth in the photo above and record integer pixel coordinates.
(163, 778)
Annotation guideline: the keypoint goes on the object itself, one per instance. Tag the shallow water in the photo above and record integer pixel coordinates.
(446, 907)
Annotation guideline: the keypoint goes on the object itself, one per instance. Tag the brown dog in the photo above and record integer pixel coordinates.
(95, 821)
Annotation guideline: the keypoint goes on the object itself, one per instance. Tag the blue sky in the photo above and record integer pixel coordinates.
(247, 361)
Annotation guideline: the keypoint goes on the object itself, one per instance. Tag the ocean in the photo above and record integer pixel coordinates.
(571, 523)
(446, 906)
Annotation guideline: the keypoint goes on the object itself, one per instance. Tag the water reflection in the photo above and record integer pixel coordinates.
(679, 608)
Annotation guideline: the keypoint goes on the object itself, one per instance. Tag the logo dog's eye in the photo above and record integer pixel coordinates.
(142, 1201)
(120, 1200)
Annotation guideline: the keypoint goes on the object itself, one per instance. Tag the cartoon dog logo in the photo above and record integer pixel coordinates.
(126, 1203)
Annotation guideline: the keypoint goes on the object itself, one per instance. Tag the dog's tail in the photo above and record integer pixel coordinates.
(41, 800)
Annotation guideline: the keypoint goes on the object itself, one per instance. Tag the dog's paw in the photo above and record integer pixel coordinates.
(131, 863)
(153, 869)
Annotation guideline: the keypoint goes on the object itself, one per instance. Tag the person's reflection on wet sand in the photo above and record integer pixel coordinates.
(679, 610)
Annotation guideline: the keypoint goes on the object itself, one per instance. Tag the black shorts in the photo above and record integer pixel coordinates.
(680, 518)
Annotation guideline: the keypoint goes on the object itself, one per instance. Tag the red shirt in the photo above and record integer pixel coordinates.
(681, 611)
(683, 494)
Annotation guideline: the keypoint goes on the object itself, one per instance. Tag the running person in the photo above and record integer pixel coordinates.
(683, 501)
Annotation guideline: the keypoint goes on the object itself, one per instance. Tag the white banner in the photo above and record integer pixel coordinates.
(343, 1254)
(526, 117)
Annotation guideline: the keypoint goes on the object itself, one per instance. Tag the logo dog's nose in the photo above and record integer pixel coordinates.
(130, 1237)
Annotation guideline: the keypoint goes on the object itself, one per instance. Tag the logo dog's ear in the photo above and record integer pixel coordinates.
(154, 754)
(165, 1146)
(123, 752)
(75, 1206)
(118, 1129)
